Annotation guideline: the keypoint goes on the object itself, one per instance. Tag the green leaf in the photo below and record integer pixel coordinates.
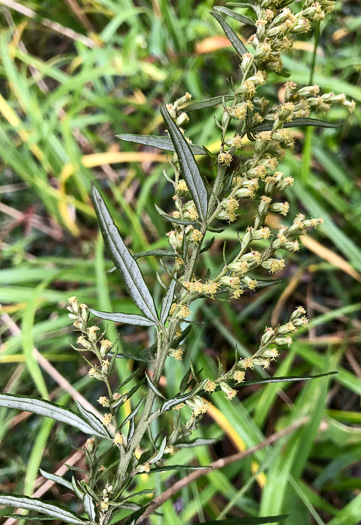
(157, 253)
(163, 143)
(170, 403)
(241, 5)
(56, 479)
(241, 18)
(25, 517)
(123, 260)
(160, 452)
(188, 165)
(167, 302)
(175, 467)
(248, 521)
(132, 414)
(231, 35)
(208, 103)
(49, 509)
(78, 491)
(124, 318)
(207, 245)
(89, 507)
(48, 409)
(197, 443)
(153, 387)
(93, 420)
(300, 122)
(174, 219)
(131, 356)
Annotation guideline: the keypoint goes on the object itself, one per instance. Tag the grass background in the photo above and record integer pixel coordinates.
(75, 73)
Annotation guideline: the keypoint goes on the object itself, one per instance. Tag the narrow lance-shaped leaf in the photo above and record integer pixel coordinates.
(175, 220)
(123, 260)
(208, 103)
(89, 507)
(48, 409)
(160, 452)
(300, 122)
(38, 505)
(241, 18)
(231, 35)
(93, 420)
(124, 318)
(188, 165)
(163, 143)
(167, 301)
(153, 387)
(56, 479)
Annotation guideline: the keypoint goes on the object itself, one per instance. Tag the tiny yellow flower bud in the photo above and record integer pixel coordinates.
(104, 401)
(91, 331)
(210, 386)
(239, 376)
(225, 158)
(118, 439)
(177, 354)
(107, 419)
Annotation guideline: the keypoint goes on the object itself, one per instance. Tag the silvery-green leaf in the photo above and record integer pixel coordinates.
(170, 403)
(48, 409)
(160, 452)
(89, 507)
(153, 387)
(231, 35)
(38, 505)
(56, 479)
(242, 6)
(188, 165)
(124, 318)
(156, 253)
(163, 143)
(300, 122)
(175, 220)
(29, 518)
(241, 18)
(132, 414)
(145, 491)
(123, 260)
(196, 443)
(131, 356)
(167, 302)
(175, 467)
(208, 103)
(93, 421)
(78, 491)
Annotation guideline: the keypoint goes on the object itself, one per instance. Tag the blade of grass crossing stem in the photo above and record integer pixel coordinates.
(293, 456)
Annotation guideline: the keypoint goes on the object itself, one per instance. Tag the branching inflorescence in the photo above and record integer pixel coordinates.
(198, 209)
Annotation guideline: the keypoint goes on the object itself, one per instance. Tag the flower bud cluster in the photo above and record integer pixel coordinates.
(175, 110)
(90, 341)
(270, 340)
(276, 28)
